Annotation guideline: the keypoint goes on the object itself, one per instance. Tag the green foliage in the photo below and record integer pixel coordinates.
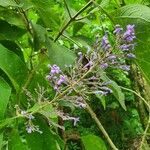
(35, 33)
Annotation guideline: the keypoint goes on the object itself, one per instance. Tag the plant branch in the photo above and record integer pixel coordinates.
(67, 8)
(73, 19)
(100, 126)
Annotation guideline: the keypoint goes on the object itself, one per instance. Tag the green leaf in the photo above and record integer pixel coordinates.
(9, 32)
(102, 99)
(6, 3)
(59, 55)
(12, 17)
(140, 16)
(77, 27)
(5, 92)
(92, 142)
(45, 141)
(46, 11)
(13, 67)
(117, 92)
(15, 142)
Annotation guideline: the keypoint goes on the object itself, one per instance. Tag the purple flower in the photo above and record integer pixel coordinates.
(125, 67)
(129, 35)
(104, 65)
(130, 55)
(106, 89)
(55, 69)
(118, 29)
(89, 64)
(62, 79)
(112, 57)
(105, 43)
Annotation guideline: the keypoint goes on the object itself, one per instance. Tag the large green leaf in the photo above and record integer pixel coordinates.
(15, 142)
(92, 142)
(46, 11)
(59, 55)
(13, 67)
(12, 17)
(140, 16)
(5, 92)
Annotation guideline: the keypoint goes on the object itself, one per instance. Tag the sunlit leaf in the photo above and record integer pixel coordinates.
(92, 142)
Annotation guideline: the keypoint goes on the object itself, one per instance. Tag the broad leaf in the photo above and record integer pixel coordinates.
(13, 67)
(59, 55)
(46, 12)
(5, 92)
(15, 142)
(92, 142)
(6, 3)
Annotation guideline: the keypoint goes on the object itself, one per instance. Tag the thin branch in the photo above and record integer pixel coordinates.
(127, 89)
(73, 19)
(67, 8)
(100, 126)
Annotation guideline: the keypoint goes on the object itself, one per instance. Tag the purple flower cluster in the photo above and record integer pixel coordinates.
(118, 30)
(129, 34)
(56, 77)
(105, 43)
(125, 45)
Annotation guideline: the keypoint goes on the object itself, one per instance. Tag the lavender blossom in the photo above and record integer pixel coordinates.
(104, 65)
(112, 57)
(125, 67)
(55, 70)
(62, 79)
(129, 35)
(105, 43)
(130, 56)
(118, 30)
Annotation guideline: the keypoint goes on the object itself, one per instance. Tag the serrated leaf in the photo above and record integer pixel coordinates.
(13, 67)
(92, 142)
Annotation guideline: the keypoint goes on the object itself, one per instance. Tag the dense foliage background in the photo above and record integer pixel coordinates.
(35, 114)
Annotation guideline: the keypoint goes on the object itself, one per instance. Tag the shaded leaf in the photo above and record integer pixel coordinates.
(9, 32)
(12, 65)
(15, 142)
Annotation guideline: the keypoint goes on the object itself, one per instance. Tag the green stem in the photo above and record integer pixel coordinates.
(73, 19)
(100, 126)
